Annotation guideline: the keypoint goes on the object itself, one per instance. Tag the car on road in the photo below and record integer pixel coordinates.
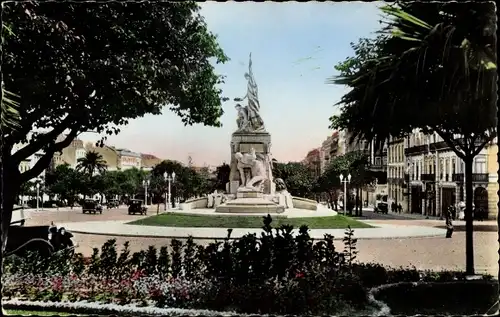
(112, 203)
(44, 240)
(136, 207)
(91, 206)
(381, 204)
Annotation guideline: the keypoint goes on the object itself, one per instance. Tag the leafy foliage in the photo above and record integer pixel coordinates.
(223, 172)
(93, 67)
(432, 68)
(91, 163)
(274, 273)
(65, 182)
(297, 177)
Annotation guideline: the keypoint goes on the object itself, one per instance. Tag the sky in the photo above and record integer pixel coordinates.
(294, 48)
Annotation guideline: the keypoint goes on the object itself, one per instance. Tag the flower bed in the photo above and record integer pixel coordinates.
(275, 273)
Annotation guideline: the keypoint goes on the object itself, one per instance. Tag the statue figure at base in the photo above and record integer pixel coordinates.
(258, 172)
(283, 197)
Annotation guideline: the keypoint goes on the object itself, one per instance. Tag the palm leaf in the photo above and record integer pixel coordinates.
(9, 110)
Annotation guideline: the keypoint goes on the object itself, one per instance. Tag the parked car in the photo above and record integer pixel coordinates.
(91, 205)
(381, 204)
(42, 239)
(135, 206)
(112, 203)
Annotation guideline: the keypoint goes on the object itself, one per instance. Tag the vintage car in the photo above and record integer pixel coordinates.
(91, 205)
(135, 207)
(112, 203)
(42, 239)
(381, 204)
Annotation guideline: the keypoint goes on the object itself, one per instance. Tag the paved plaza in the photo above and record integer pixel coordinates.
(435, 252)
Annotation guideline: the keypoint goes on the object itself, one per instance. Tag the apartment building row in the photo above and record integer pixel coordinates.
(115, 158)
(420, 172)
(426, 176)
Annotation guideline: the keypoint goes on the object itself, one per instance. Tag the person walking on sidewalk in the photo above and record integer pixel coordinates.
(449, 222)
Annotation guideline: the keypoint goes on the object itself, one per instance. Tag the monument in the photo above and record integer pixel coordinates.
(251, 179)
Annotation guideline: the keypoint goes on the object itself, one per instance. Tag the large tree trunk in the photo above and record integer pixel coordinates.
(469, 229)
(10, 179)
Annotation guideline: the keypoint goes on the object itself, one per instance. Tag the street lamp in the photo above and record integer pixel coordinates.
(37, 195)
(347, 180)
(168, 195)
(145, 183)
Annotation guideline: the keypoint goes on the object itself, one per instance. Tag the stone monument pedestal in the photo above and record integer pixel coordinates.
(243, 142)
(256, 205)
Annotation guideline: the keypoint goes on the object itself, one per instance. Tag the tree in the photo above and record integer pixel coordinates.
(168, 167)
(353, 163)
(435, 71)
(297, 177)
(93, 67)
(66, 183)
(110, 187)
(223, 171)
(91, 163)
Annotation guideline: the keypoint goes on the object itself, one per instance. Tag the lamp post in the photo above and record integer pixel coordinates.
(37, 195)
(145, 183)
(347, 180)
(168, 195)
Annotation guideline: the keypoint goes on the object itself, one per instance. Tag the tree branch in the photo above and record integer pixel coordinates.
(457, 148)
(38, 143)
(44, 161)
(483, 144)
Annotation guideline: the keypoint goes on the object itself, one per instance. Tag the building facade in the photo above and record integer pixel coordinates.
(436, 176)
(128, 159)
(313, 161)
(396, 170)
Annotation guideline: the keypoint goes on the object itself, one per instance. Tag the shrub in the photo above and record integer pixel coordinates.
(276, 273)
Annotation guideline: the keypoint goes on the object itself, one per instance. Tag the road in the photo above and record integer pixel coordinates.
(424, 253)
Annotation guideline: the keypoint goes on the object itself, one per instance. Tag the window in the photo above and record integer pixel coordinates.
(377, 161)
(480, 166)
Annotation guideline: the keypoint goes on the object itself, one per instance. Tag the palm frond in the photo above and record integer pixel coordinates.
(9, 110)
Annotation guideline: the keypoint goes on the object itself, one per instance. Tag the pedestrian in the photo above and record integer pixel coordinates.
(453, 212)
(400, 208)
(480, 214)
(449, 223)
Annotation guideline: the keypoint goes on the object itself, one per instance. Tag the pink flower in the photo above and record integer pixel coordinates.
(299, 275)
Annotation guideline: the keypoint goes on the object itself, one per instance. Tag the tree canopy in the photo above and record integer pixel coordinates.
(297, 177)
(87, 66)
(432, 68)
(94, 66)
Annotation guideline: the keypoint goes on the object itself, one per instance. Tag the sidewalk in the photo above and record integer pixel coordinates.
(121, 228)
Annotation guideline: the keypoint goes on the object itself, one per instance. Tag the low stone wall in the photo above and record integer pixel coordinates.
(195, 203)
(304, 203)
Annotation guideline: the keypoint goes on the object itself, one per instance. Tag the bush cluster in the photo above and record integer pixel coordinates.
(275, 273)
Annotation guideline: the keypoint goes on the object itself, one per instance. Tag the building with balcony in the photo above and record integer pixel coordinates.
(313, 161)
(396, 170)
(436, 176)
(128, 159)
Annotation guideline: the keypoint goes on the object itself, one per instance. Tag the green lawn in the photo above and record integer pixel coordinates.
(189, 220)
